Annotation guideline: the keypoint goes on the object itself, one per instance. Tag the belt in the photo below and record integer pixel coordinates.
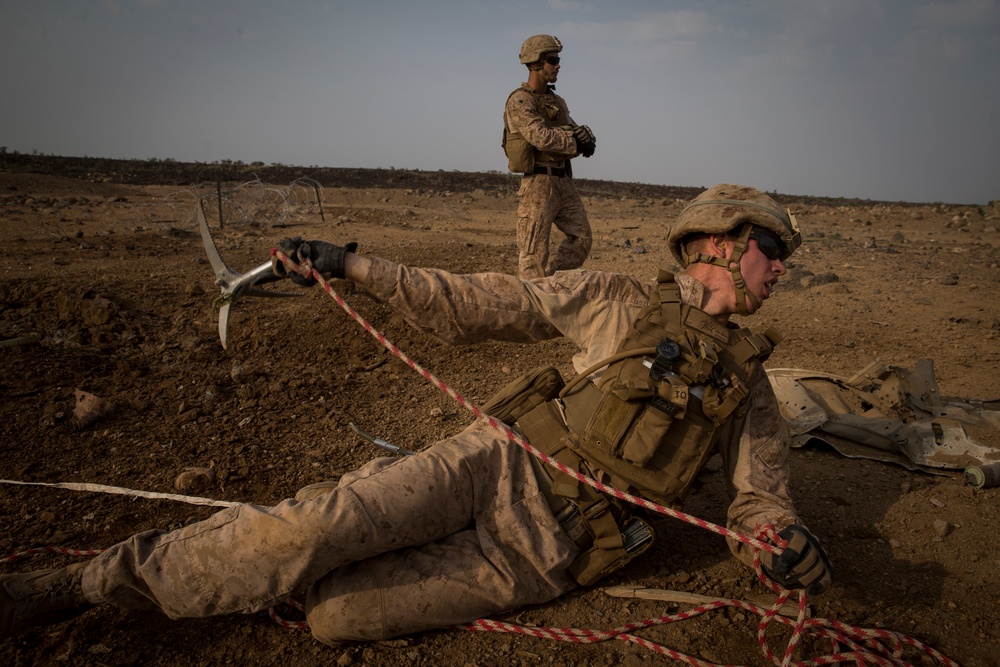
(551, 171)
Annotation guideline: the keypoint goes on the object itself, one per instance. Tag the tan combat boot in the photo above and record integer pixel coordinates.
(40, 598)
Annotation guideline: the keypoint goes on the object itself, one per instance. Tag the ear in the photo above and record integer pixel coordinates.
(718, 246)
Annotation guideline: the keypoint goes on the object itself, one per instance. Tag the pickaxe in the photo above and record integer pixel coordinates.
(233, 284)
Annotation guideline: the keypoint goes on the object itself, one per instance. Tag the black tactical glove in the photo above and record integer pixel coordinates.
(802, 564)
(327, 258)
(586, 142)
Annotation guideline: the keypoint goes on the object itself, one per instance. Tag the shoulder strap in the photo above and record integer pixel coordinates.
(754, 345)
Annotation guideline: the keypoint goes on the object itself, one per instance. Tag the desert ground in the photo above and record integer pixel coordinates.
(106, 288)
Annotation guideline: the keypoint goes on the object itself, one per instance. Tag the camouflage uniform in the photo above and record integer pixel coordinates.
(547, 199)
(459, 530)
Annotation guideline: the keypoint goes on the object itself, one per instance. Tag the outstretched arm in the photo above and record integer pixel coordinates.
(592, 309)
(453, 308)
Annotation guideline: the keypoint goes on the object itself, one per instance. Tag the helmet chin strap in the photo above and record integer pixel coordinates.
(733, 266)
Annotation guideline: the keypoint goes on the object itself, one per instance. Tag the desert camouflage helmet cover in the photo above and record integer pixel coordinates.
(724, 207)
(536, 45)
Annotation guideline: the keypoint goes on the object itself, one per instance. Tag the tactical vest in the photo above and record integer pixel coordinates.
(647, 426)
(522, 156)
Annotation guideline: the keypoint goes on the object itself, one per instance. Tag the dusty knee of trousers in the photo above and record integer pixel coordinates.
(318, 490)
(337, 616)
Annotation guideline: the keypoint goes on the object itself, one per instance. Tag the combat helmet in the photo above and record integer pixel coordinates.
(737, 209)
(536, 45)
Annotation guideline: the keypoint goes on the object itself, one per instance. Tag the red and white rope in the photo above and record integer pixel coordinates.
(62, 551)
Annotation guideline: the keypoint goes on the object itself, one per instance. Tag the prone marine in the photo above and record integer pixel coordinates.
(474, 525)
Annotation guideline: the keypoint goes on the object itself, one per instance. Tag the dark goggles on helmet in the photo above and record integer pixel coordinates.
(552, 60)
(769, 244)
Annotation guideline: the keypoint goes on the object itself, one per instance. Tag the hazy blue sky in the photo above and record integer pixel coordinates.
(890, 99)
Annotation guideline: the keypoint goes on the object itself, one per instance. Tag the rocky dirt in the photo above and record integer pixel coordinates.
(105, 288)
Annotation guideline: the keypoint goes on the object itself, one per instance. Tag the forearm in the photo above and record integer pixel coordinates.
(524, 118)
(591, 309)
(549, 139)
(357, 267)
(750, 512)
(457, 309)
(757, 468)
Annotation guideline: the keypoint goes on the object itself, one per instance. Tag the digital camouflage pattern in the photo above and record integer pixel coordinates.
(546, 201)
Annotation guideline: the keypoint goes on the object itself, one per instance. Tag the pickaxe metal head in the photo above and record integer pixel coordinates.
(233, 284)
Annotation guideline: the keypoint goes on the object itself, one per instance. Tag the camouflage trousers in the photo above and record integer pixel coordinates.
(546, 201)
(456, 532)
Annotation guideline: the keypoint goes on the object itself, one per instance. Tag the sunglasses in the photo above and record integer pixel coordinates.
(772, 248)
(552, 60)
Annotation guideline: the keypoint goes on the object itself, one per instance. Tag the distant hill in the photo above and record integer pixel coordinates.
(172, 172)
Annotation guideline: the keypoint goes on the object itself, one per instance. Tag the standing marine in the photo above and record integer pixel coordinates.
(540, 138)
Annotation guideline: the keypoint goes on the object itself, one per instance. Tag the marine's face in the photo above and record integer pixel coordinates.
(761, 271)
(550, 66)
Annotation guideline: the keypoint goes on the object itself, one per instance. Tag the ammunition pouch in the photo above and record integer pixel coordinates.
(636, 536)
(640, 445)
(589, 517)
